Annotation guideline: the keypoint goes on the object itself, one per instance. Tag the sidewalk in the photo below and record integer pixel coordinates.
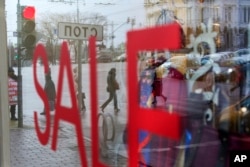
(26, 150)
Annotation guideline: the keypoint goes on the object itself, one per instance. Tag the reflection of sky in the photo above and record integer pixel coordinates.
(116, 11)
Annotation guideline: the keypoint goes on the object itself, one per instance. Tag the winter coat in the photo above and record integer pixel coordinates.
(111, 80)
(49, 88)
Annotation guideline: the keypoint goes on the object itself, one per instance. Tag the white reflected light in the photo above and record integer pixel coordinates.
(230, 70)
(243, 109)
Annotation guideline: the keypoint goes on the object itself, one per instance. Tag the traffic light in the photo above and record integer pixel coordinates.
(28, 33)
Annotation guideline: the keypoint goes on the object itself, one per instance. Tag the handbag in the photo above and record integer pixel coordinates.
(83, 95)
(117, 85)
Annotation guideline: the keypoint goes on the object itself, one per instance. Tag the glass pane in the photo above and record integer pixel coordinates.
(89, 93)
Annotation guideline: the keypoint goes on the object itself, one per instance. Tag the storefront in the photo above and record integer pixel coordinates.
(183, 91)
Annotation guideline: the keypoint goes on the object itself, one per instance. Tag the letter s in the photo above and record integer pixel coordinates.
(40, 52)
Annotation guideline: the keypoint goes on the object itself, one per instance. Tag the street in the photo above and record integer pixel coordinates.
(32, 102)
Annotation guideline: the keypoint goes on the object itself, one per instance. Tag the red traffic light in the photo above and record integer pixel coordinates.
(29, 12)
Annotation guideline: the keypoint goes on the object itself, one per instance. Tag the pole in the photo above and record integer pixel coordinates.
(19, 72)
(112, 35)
(79, 57)
(79, 64)
(4, 103)
(10, 53)
(248, 38)
(79, 75)
(77, 10)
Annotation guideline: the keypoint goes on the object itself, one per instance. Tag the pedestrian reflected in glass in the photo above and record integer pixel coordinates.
(14, 78)
(112, 87)
(76, 79)
(50, 91)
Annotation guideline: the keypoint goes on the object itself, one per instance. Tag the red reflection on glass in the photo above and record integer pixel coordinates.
(40, 52)
(62, 113)
(164, 37)
(93, 103)
(151, 120)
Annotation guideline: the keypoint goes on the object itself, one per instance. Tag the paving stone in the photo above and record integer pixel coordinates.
(27, 151)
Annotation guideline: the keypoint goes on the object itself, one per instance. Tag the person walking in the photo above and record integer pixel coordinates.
(50, 91)
(112, 87)
(13, 78)
(76, 79)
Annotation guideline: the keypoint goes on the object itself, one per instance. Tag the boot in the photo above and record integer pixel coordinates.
(13, 117)
(13, 113)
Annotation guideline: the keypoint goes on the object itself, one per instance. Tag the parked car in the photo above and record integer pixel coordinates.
(242, 52)
(121, 58)
(104, 59)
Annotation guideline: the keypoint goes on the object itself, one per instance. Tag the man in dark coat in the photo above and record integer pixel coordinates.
(111, 88)
(50, 90)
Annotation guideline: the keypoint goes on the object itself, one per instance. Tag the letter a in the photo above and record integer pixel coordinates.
(67, 114)
(237, 158)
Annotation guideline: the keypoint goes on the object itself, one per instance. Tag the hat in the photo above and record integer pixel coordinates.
(113, 70)
(10, 69)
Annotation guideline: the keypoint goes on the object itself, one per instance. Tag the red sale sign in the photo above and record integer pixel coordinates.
(161, 38)
(12, 90)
